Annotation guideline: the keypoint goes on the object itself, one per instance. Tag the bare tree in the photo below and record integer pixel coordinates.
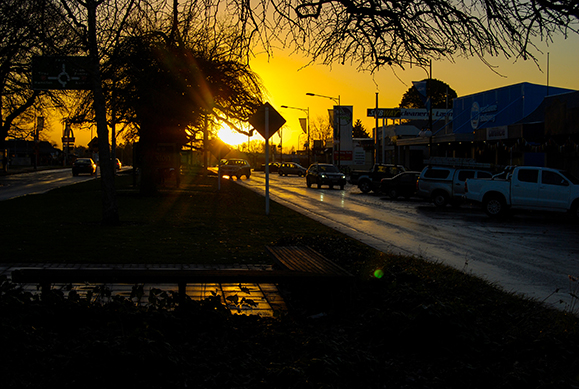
(35, 27)
(377, 33)
(321, 129)
(168, 87)
(100, 24)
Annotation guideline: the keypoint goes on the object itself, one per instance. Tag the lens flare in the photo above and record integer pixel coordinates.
(378, 273)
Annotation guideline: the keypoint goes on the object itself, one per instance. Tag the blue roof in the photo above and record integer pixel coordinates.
(499, 107)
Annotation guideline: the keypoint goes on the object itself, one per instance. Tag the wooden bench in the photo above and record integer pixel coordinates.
(332, 284)
(305, 260)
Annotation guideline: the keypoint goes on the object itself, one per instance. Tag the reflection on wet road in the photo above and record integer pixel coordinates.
(16, 185)
(530, 254)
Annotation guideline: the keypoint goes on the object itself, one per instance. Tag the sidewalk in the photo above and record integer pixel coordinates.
(265, 298)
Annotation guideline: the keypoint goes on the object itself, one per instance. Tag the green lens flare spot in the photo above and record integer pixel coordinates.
(378, 273)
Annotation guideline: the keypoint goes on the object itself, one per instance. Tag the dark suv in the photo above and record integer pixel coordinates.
(325, 174)
(235, 168)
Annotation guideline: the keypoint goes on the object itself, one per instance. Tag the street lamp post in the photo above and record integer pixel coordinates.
(337, 101)
(428, 96)
(307, 111)
(390, 61)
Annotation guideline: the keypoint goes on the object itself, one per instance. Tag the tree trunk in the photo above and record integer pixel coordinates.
(109, 198)
(149, 171)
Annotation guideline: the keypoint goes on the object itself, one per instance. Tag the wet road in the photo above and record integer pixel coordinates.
(16, 185)
(529, 254)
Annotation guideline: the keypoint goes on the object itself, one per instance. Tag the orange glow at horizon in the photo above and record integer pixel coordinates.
(231, 137)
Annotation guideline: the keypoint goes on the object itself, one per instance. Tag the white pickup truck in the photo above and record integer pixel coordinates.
(526, 188)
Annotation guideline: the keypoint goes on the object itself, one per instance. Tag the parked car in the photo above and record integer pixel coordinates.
(445, 184)
(291, 168)
(369, 180)
(526, 188)
(273, 167)
(403, 184)
(325, 174)
(84, 165)
(235, 168)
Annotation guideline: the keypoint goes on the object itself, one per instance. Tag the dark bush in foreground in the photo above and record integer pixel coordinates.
(417, 326)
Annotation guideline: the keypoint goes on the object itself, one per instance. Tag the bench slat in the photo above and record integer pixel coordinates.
(305, 259)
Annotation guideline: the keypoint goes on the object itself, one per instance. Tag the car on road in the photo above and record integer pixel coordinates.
(235, 168)
(274, 167)
(369, 180)
(325, 174)
(526, 188)
(291, 168)
(84, 165)
(401, 185)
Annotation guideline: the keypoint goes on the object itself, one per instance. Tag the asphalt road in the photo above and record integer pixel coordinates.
(36, 182)
(532, 254)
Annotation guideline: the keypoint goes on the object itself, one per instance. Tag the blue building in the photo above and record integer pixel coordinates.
(521, 124)
(491, 112)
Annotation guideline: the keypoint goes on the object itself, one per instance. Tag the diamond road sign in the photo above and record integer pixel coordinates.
(61, 73)
(257, 120)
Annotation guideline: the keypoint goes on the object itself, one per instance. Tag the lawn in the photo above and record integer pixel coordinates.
(407, 323)
(195, 224)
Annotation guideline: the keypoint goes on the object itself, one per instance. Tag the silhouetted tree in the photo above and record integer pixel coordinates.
(358, 130)
(28, 28)
(438, 91)
(167, 87)
(373, 34)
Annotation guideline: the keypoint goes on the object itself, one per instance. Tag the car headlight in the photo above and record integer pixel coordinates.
(343, 176)
(323, 176)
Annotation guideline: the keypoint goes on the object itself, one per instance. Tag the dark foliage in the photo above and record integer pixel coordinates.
(417, 326)
(358, 130)
(440, 94)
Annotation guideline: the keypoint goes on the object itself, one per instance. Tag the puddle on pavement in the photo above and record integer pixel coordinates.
(246, 299)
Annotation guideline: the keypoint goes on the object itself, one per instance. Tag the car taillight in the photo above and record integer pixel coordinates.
(465, 187)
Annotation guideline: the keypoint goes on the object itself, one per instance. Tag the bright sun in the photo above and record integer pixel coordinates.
(230, 136)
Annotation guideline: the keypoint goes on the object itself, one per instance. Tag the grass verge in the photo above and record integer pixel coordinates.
(417, 325)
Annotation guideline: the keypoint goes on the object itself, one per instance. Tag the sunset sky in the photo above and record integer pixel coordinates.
(288, 85)
(287, 82)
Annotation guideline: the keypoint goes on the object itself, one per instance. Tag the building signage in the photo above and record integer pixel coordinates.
(359, 156)
(409, 113)
(61, 73)
(495, 133)
(479, 116)
(343, 155)
(383, 113)
(342, 116)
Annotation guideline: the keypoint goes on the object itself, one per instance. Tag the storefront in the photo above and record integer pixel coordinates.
(521, 124)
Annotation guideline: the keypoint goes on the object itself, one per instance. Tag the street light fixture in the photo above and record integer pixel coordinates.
(337, 101)
(307, 111)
